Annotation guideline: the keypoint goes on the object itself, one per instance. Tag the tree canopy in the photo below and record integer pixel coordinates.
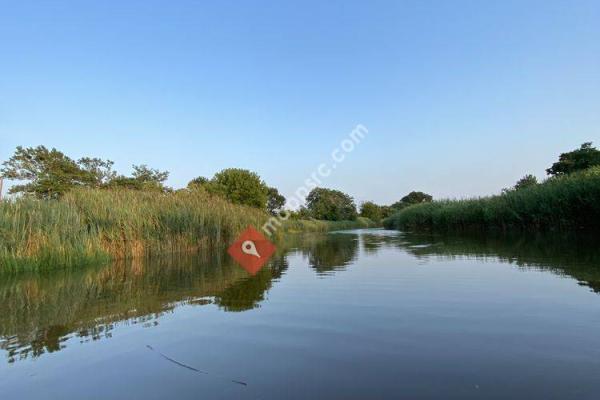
(331, 205)
(240, 186)
(525, 182)
(100, 170)
(416, 198)
(275, 201)
(370, 210)
(197, 182)
(51, 173)
(410, 199)
(577, 160)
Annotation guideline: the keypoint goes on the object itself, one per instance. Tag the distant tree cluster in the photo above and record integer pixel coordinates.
(50, 173)
(376, 212)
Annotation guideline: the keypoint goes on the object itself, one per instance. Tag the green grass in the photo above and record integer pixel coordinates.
(91, 226)
(565, 203)
(313, 225)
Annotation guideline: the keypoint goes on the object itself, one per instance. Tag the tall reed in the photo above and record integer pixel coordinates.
(90, 226)
(563, 203)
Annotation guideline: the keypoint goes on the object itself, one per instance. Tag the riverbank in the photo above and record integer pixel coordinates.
(314, 225)
(90, 226)
(563, 203)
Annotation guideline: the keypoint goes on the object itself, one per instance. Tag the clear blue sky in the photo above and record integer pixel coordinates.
(460, 98)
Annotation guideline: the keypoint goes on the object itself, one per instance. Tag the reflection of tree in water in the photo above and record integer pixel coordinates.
(332, 252)
(249, 292)
(41, 311)
(373, 242)
(49, 340)
(574, 255)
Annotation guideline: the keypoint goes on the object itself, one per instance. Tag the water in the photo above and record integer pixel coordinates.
(361, 314)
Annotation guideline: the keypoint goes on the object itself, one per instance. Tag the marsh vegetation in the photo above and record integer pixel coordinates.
(568, 200)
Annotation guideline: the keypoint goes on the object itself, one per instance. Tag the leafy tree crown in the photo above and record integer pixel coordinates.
(577, 160)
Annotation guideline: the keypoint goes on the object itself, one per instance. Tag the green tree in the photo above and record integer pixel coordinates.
(525, 182)
(125, 182)
(197, 182)
(100, 170)
(143, 178)
(386, 211)
(49, 173)
(240, 186)
(331, 205)
(151, 176)
(416, 198)
(583, 158)
(304, 213)
(275, 201)
(370, 210)
(410, 199)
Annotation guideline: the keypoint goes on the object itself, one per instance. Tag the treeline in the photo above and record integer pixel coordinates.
(568, 199)
(50, 174)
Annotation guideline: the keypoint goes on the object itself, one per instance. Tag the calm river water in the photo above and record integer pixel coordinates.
(349, 315)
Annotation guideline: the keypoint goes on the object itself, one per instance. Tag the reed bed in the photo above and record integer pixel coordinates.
(564, 203)
(91, 226)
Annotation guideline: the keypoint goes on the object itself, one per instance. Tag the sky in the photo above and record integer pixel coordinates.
(460, 98)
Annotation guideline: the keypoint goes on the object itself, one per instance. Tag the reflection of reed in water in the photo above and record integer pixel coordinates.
(572, 255)
(373, 242)
(41, 311)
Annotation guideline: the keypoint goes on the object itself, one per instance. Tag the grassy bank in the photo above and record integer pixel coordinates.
(92, 226)
(313, 225)
(564, 203)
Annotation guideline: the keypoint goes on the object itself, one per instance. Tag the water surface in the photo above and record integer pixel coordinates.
(358, 314)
